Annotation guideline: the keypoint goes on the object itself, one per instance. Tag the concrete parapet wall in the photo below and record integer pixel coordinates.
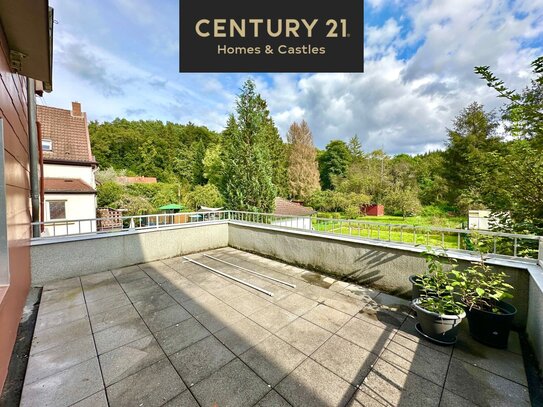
(56, 259)
(385, 266)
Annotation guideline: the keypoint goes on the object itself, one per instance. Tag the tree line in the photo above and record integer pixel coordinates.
(491, 160)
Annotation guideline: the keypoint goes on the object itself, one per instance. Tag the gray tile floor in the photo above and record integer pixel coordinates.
(173, 333)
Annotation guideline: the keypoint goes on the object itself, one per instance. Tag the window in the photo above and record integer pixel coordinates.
(46, 145)
(57, 210)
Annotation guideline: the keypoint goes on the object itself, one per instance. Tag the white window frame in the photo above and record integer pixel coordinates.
(49, 209)
(45, 142)
(4, 244)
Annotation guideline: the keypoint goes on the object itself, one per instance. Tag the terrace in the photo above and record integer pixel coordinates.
(128, 318)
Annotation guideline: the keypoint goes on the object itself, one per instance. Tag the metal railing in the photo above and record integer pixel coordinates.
(75, 227)
(506, 244)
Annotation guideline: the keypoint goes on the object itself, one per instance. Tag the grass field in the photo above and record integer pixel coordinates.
(373, 230)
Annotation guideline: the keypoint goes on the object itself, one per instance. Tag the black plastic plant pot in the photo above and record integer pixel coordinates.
(415, 289)
(492, 328)
(441, 329)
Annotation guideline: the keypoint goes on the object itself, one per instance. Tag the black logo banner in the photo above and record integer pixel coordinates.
(271, 36)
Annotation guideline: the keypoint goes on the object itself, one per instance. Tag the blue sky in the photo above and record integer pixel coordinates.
(119, 58)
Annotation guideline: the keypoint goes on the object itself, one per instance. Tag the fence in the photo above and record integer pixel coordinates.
(507, 244)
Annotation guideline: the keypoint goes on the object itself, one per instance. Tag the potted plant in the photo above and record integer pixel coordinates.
(433, 266)
(439, 314)
(483, 291)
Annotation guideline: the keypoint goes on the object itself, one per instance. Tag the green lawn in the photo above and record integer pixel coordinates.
(436, 221)
(404, 234)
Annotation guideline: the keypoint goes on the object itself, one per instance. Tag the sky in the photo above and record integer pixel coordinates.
(120, 58)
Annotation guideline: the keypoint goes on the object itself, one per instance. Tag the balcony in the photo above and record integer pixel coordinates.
(228, 309)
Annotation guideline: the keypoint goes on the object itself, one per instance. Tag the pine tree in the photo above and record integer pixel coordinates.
(247, 181)
(303, 171)
(355, 148)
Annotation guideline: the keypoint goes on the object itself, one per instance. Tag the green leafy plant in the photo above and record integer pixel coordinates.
(436, 284)
(482, 287)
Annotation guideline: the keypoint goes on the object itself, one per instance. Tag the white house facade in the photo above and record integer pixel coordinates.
(69, 186)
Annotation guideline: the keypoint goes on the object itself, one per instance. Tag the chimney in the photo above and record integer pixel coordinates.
(76, 109)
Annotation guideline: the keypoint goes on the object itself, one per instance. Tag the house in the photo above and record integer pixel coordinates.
(68, 170)
(25, 69)
(372, 210)
(478, 219)
(292, 214)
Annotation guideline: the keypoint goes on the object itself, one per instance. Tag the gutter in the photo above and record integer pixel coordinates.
(34, 154)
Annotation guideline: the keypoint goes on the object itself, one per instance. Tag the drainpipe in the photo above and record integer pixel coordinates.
(34, 156)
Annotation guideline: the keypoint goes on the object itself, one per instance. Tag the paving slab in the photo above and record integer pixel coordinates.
(60, 335)
(248, 303)
(233, 385)
(449, 399)
(483, 387)
(219, 317)
(366, 335)
(349, 361)
(96, 307)
(201, 304)
(97, 278)
(113, 317)
(59, 358)
(181, 335)
(154, 302)
(69, 283)
(152, 386)
(498, 361)
(345, 304)
(129, 359)
(164, 318)
(201, 359)
(129, 275)
(273, 318)
(327, 317)
(120, 335)
(64, 388)
(185, 399)
(310, 384)
(273, 359)
(96, 400)
(242, 335)
(73, 295)
(296, 303)
(398, 387)
(424, 361)
(273, 399)
(100, 292)
(304, 335)
(63, 316)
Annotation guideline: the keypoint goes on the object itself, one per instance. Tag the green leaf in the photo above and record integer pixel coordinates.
(479, 291)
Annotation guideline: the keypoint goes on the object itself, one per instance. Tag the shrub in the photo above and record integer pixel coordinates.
(108, 193)
(206, 195)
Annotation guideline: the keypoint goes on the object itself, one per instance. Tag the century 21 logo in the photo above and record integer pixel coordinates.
(254, 27)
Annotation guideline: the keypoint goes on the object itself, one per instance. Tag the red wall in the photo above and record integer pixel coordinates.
(14, 113)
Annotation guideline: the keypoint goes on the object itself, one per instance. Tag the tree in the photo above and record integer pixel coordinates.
(107, 193)
(247, 181)
(213, 164)
(334, 162)
(513, 184)
(470, 140)
(355, 148)
(303, 171)
(206, 195)
(198, 177)
(402, 200)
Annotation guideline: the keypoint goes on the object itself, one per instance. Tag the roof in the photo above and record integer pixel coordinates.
(285, 207)
(171, 207)
(67, 186)
(68, 133)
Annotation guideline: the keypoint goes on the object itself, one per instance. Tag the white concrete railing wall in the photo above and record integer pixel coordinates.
(60, 258)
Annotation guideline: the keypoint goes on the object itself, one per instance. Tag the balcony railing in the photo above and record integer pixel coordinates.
(506, 244)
